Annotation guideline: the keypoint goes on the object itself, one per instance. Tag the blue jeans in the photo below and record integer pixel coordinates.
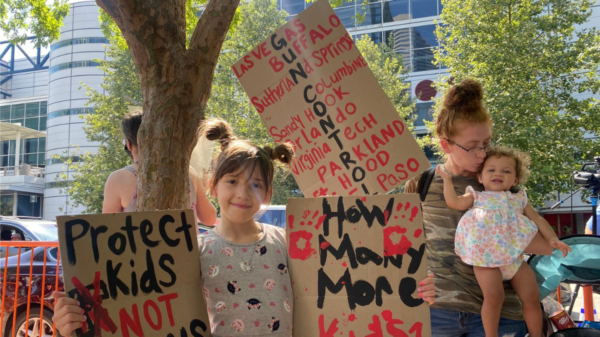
(445, 323)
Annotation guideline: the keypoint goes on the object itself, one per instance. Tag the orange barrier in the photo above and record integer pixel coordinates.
(25, 295)
(588, 303)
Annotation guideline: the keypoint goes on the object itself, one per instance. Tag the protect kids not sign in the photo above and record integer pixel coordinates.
(135, 274)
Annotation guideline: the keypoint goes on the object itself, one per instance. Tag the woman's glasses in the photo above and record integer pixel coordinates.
(475, 150)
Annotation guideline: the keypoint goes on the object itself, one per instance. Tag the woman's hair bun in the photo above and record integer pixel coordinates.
(466, 97)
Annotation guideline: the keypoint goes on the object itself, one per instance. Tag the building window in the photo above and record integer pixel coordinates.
(423, 42)
(25, 206)
(57, 184)
(293, 7)
(81, 40)
(423, 8)
(32, 109)
(396, 10)
(68, 112)
(7, 204)
(75, 64)
(4, 113)
(424, 37)
(63, 159)
(423, 113)
(429, 152)
(415, 44)
(372, 14)
(346, 15)
(31, 115)
(399, 41)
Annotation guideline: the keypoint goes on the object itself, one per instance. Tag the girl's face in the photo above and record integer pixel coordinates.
(240, 196)
(499, 174)
(469, 138)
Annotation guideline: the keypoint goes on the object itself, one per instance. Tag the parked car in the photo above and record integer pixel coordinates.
(272, 215)
(25, 230)
(29, 230)
(203, 228)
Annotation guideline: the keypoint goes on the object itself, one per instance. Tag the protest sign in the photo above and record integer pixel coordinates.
(312, 88)
(135, 274)
(355, 263)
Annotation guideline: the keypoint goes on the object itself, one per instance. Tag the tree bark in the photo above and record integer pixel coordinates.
(176, 84)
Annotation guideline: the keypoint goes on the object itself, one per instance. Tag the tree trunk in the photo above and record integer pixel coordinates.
(176, 84)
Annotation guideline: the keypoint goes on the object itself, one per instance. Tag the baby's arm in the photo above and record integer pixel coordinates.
(460, 203)
(545, 229)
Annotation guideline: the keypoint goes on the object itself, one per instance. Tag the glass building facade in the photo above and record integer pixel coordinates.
(31, 115)
(408, 24)
(408, 27)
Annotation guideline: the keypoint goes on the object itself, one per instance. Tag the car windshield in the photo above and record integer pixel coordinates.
(273, 217)
(46, 232)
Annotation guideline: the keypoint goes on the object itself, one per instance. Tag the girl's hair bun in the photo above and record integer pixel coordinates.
(216, 129)
(283, 152)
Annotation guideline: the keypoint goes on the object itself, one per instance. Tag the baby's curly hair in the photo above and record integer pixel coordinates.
(522, 161)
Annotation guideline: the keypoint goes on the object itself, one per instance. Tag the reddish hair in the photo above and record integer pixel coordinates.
(462, 103)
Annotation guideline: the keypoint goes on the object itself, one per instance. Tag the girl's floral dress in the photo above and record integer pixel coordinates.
(494, 232)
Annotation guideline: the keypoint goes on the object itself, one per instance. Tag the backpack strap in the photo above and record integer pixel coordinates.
(424, 182)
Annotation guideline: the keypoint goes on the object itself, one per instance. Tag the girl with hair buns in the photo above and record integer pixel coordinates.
(244, 263)
(463, 129)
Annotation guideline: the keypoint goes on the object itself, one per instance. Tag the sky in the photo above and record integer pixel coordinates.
(28, 47)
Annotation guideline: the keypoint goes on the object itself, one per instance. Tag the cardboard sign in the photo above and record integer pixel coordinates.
(312, 88)
(355, 264)
(135, 274)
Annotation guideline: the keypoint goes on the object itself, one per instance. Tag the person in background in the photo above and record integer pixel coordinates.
(589, 224)
(120, 190)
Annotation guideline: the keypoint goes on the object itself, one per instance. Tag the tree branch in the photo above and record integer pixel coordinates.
(149, 27)
(122, 11)
(210, 32)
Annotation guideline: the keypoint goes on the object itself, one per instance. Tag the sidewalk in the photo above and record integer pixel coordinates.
(578, 306)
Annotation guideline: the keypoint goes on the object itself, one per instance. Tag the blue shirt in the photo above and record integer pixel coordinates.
(589, 223)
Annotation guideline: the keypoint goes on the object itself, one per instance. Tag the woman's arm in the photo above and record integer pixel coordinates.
(207, 214)
(454, 201)
(112, 197)
(546, 230)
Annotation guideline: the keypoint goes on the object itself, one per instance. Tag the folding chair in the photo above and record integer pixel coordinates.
(580, 267)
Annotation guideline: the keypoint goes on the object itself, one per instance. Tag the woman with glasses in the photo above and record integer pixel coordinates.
(464, 130)
(120, 190)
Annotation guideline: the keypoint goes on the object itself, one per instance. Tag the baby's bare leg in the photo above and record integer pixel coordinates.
(490, 282)
(527, 289)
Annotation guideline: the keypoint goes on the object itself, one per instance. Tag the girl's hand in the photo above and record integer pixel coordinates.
(563, 247)
(445, 176)
(427, 290)
(68, 316)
